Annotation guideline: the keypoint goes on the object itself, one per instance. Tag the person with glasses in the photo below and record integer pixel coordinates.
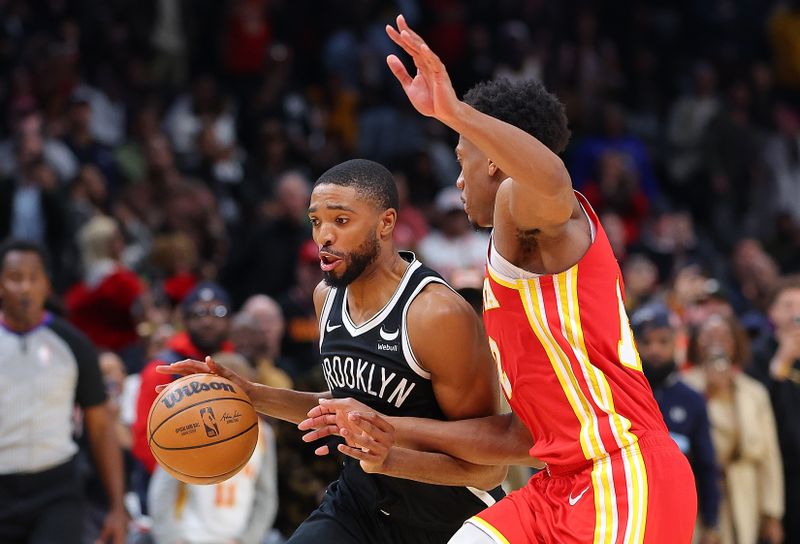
(205, 312)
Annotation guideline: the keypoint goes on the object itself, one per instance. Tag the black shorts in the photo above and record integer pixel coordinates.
(343, 519)
(42, 507)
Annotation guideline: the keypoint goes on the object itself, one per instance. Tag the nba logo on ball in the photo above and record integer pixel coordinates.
(207, 415)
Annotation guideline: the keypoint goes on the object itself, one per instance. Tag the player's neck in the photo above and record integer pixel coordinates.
(373, 289)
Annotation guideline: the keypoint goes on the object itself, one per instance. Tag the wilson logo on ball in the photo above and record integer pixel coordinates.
(194, 387)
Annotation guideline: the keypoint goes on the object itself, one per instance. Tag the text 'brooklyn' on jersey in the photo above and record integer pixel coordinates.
(374, 363)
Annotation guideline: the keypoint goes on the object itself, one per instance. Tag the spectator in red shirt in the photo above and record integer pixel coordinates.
(206, 316)
(101, 305)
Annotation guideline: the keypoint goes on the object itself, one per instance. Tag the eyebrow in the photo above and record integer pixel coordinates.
(342, 207)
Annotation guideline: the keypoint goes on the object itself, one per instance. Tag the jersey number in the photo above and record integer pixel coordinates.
(628, 355)
(504, 381)
(225, 495)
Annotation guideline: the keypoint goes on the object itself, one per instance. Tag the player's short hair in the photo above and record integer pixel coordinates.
(368, 178)
(525, 104)
(26, 246)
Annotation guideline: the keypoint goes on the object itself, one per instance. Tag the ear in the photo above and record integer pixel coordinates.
(493, 169)
(386, 224)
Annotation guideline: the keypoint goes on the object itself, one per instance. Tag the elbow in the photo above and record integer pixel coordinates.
(490, 477)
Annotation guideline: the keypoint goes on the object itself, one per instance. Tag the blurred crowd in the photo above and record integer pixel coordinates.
(163, 152)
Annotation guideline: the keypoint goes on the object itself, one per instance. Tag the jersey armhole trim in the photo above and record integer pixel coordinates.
(408, 353)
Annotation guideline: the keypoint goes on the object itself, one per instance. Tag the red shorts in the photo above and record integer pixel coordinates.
(644, 493)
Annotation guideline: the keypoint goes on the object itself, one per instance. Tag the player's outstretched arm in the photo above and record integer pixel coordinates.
(541, 190)
(493, 440)
(285, 404)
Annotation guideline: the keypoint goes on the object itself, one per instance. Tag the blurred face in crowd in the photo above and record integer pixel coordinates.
(266, 314)
(657, 349)
(477, 183)
(716, 340)
(656, 346)
(24, 287)
(347, 228)
(785, 310)
(207, 324)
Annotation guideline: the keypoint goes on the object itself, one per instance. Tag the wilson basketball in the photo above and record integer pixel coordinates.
(202, 429)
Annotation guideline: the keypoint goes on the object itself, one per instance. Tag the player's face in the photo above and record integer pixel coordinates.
(23, 288)
(478, 189)
(345, 227)
(656, 347)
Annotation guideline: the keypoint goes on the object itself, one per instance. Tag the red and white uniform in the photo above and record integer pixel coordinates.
(570, 370)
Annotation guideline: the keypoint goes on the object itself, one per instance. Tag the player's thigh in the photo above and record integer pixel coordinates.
(672, 498)
(60, 521)
(335, 522)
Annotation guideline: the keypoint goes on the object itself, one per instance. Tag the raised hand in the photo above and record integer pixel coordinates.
(430, 90)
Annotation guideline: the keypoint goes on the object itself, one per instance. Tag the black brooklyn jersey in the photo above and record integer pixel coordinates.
(374, 363)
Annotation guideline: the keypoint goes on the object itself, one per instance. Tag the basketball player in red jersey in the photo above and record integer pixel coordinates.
(557, 327)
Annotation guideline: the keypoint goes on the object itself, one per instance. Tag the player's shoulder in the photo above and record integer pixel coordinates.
(437, 303)
(321, 292)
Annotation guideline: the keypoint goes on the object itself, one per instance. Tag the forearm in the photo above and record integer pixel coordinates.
(286, 404)
(441, 469)
(518, 154)
(493, 440)
(107, 457)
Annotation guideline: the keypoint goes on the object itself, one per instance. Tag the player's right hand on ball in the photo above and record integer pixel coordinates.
(192, 366)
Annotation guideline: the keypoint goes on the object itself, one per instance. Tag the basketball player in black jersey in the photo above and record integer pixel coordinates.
(396, 337)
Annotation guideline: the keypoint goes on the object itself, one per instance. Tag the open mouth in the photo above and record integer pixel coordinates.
(328, 261)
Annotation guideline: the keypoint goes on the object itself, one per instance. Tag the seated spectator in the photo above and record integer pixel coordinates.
(249, 339)
(241, 509)
(268, 317)
(205, 312)
(454, 245)
(101, 305)
(743, 433)
(684, 409)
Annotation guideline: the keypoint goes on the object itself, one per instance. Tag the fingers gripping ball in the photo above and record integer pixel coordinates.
(202, 429)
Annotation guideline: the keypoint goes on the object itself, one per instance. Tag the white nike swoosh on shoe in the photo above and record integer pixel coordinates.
(574, 501)
(329, 327)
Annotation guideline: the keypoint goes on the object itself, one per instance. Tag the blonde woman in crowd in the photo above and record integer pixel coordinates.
(743, 433)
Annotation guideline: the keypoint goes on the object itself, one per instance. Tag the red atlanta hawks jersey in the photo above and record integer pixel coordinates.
(566, 357)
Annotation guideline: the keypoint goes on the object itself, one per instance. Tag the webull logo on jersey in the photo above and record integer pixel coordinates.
(356, 373)
(191, 388)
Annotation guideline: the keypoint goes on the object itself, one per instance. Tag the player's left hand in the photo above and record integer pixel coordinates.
(115, 527)
(430, 91)
(328, 418)
(370, 443)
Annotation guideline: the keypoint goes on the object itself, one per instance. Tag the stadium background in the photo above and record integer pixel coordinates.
(198, 127)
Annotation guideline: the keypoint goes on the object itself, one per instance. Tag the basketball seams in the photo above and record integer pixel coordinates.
(207, 444)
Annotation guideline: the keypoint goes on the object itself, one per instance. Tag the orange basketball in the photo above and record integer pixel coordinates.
(202, 429)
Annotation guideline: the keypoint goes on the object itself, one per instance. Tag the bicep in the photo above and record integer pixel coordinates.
(458, 358)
